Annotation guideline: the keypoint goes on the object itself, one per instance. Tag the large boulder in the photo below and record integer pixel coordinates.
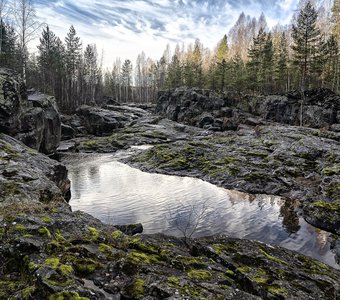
(32, 119)
(103, 121)
(27, 176)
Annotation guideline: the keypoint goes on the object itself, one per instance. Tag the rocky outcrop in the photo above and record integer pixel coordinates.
(32, 119)
(321, 108)
(98, 121)
(28, 176)
(206, 109)
(49, 252)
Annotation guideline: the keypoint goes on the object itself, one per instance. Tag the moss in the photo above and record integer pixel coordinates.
(27, 292)
(140, 257)
(10, 188)
(147, 247)
(93, 234)
(276, 289)
(136, 289)
(106, 249)
(46, 219)
(117, 235)
(199, 274)
(85, 266)
(220, 248)
(272, 258)
(58, 236)
(66, 295)
(90, 144)
(333, 190)
(20, 227)
(230, 273)
(52, 262)
(259, 280)
(65, 269)
(243, 269)
(58, 280)
(173, 281)
(27, 235)
(44, 231)
(32, 266)
(332, 206)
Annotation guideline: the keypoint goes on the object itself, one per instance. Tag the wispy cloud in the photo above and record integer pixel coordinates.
(125, 28)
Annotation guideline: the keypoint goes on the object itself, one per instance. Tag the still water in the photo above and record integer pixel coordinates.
(118, 194)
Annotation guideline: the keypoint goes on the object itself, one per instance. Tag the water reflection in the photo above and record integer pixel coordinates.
(119, 194)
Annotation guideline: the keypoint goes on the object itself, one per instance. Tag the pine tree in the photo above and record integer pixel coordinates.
(281, 67)
(305, 35)
(91, 73)
(126, 74)
(9, 56)
(331, 59)
(197, 59)
(267, 64)
(256, 73)
(222, 55)
(47, 59)
(72, 61)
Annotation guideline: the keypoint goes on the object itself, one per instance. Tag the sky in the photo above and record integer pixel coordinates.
(125, 28)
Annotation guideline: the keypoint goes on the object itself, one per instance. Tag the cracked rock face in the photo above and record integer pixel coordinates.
(32, 119)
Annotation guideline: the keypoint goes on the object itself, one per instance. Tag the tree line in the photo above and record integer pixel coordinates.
(250, 58)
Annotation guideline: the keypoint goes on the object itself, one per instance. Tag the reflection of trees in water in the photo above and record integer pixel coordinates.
(186, 217)
(290, 219)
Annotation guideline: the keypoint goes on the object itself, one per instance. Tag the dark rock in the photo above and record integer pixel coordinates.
(320, 108)
(130, 229)
(36, 178)
(189, 106)
(32, 119)
(99, 121)
(67, 132)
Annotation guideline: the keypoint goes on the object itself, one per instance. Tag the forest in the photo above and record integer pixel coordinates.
(250, 58)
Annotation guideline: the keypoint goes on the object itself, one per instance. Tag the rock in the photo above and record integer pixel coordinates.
(319, 110)
(13, 101)
(32, 119)
(67, 132)
(99, 121)
(130, 229)
(190, 106)
(29, 176)
(50, 252)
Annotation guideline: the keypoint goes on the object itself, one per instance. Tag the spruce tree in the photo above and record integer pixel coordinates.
(72, 61)
(256, 73)
(47, 59)
(222, 54)
(281, 66)
(126, 75)
(305, 35)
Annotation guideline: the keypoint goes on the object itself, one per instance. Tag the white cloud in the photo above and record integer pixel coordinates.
(126, 28)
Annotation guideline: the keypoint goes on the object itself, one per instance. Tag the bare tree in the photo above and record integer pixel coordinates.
(26, 26)
(188, 217)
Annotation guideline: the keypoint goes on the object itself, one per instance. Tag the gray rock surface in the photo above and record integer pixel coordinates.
(32, 119)
(193, 107)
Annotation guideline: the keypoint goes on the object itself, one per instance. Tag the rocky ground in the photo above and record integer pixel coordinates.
(49, 252)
